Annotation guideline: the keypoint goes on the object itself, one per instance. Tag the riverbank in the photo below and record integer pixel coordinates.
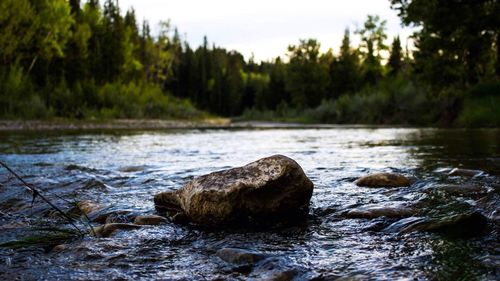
(117, 124)
(156, 124)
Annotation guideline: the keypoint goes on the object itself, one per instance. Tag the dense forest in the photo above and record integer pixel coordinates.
(91, 60)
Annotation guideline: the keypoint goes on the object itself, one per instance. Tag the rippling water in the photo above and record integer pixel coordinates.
(123, 170)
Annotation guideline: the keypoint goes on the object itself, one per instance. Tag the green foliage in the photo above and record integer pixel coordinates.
(372, 44)
(480, 106)
(395, 101)
(16, 95)
(53, 27)
(17, 23)
(59, 59)
(307, 74)
(395, 58)
(132, 100)
(345, 72)
(457, 41)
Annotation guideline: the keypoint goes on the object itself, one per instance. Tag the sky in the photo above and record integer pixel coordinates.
(265, 28)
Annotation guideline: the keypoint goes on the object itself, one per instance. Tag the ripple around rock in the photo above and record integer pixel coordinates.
(239, 256)
(375, 211)
(383, 180)
(465, 172)
(272, 187)
(110, 228)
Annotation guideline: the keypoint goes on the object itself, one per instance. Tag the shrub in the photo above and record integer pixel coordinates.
(481, 106)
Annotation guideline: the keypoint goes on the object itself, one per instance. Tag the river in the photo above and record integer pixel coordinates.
(123, 170)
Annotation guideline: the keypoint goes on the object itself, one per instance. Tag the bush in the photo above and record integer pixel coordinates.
(142, 100)
(481, 106)
(17, 96)
(395, 101)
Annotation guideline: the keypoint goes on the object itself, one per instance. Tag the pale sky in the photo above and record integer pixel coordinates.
(266, 27)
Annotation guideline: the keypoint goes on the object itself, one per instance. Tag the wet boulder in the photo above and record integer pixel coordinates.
(465, 172)
(374, 211)
(383, 180)
(272, 187)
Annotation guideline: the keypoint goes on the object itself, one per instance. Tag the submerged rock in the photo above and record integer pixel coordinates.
(116, 216)
(110, 228)
(278, 269)
(467, 224)
(383, 180)
(149, 220)
(268, 188)
(88, 207)
(375, 211)
(258, 266)
(60, 248)
(460, 189)
(465, 172)
(239, 256)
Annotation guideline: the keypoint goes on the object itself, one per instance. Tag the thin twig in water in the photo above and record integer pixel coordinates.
(37, 193)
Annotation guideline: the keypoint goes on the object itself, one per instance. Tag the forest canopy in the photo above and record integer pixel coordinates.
(91, 60)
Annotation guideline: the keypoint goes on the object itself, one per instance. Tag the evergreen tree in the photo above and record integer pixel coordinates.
(457, 40)
(396, 57)
(344, 70)
(277, 93)
(307, 75)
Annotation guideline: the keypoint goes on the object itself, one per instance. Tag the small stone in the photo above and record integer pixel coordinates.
(87, 207)
(110, 228)
(60, 248)
(149, 220)
(239, 256)
(465, 172)
(383, 180)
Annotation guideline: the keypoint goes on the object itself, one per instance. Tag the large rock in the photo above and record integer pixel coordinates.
(271, 187)
(383, 180)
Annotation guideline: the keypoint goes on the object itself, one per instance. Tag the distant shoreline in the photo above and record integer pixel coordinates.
(157, 124)
(117, 124)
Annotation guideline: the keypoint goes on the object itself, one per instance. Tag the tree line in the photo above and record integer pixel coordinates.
(63, 58)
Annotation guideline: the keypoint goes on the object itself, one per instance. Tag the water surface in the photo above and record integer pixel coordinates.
(124, 169)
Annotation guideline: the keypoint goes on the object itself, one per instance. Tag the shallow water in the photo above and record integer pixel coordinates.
(123, 170)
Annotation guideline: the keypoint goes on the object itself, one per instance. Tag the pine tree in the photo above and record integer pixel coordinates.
(395, 59)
